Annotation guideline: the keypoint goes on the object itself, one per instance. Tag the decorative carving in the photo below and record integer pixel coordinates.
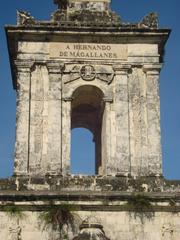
(167, 229)
(91, 229)
(59, 16)
(73, 74)
(106, 76)
(88, 72)
(150, 21)
(24, 18)
(95, 17)
(15, 233)
(86, 14)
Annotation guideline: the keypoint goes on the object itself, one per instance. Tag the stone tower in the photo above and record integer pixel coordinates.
(86, 68)
(96, 72)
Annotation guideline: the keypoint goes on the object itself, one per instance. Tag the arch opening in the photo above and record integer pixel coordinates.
(87, 112)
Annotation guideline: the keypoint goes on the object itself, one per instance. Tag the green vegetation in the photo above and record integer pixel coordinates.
(139, 203)
(60, 218)
(14, 211)
(140, 206)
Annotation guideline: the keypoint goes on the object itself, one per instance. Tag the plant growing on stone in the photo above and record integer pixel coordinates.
(14, 211)
(139, 203)
(60, 218)
(140, 206)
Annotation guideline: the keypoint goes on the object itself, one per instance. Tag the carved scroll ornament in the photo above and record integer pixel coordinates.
(89, 73)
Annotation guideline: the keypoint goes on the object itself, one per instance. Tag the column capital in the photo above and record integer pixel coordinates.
(67, 99)
(152, 69)
(122, 69)
(107, 100)
(24, 66)
(55, 67)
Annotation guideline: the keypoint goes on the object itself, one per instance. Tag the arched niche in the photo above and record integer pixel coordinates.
(87, 110)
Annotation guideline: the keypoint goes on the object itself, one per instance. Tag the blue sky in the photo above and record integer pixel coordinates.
(130, 11)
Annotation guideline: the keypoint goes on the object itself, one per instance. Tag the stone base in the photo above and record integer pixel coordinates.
(126, 208)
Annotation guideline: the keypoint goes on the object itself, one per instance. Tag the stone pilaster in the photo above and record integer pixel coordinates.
(121, 164)
(39, 113)
(66, 135)
(21, 165)
(107, 163)
(153, 119)
(55, 70)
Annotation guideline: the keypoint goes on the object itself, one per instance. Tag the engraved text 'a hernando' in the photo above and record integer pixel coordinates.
(87, 51)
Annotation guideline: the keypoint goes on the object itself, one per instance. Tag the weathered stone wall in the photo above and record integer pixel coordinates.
(127, 208)
(117, 225)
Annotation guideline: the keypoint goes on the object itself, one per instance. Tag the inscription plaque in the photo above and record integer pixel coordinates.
(88, 51)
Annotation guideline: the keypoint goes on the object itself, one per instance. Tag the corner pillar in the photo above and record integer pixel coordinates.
(153, 119)
(21, 164)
